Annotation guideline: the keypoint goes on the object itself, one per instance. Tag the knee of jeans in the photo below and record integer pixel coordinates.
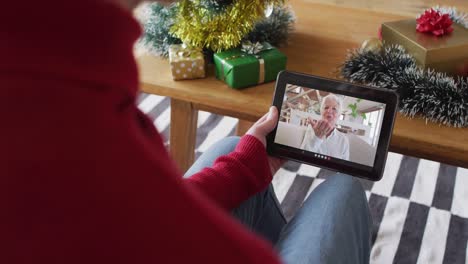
(354, 197)
(350, 189)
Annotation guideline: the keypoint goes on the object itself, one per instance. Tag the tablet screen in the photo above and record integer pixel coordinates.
(329, 125)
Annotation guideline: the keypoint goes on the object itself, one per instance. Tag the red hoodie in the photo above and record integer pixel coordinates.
(84, 176)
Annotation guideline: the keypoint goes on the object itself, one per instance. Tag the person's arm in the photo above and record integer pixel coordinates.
(311, 142)
(235, 177)
(169, 219)
(182, 224)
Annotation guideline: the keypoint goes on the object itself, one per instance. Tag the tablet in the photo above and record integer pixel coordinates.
(332, 124)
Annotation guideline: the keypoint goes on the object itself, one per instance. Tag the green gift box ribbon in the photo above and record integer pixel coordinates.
(249, 65)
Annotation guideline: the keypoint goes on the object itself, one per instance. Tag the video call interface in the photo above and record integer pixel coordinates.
(330, 125)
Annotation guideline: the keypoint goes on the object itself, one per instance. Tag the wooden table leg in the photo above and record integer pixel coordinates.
(242, 127)
(183, 133)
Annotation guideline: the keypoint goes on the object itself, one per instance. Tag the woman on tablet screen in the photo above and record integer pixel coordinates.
(322, 136)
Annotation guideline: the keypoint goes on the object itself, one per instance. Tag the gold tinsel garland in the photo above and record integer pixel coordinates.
(198, 27)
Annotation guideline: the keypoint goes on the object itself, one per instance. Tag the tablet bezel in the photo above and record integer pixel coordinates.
(386, 96)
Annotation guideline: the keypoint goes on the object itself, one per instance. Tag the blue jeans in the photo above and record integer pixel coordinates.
(332, 226)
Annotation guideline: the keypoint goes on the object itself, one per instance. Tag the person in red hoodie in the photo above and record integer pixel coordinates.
(85, 177)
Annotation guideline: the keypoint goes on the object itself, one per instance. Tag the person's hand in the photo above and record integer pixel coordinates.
(321, 127)
(264, 125)
(311, 121)
(261, 128)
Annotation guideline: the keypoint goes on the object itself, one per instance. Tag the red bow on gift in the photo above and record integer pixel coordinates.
(434, 22)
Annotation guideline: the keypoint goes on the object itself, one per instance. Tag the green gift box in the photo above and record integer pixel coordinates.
(443, 53)
(249, 65)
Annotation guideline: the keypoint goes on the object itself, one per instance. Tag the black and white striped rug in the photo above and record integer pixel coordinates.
(419, 208)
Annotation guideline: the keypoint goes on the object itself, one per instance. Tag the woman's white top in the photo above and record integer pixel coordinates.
(335, 145)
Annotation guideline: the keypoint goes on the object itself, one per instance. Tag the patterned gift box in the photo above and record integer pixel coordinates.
(186, 63)
(252, 64)
(444, 53)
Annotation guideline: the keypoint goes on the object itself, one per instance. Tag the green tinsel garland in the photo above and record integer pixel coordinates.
(435, 96)
(157, 37)
(274, 29)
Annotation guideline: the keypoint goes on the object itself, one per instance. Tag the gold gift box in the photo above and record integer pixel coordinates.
(186, 63)
(444, 53)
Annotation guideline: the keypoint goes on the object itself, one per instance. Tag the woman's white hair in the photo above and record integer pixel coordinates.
(332, 97)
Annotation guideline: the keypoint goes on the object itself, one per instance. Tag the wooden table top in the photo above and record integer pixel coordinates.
(323, 35)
